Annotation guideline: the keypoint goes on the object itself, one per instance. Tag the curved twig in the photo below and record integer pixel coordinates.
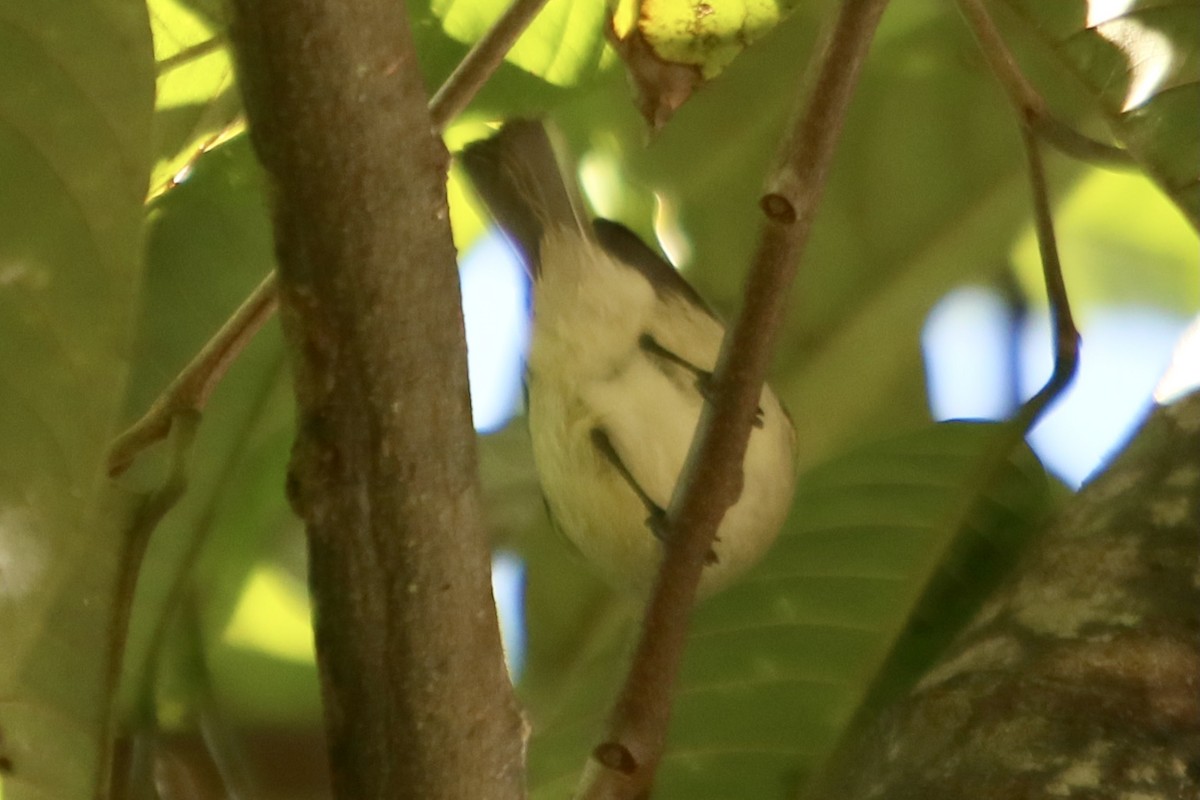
(1037, 122)
(1066, 334)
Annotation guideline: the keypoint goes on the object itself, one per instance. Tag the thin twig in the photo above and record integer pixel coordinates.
(189, 54)
(1036, 121)
(144, 517)
(191, 388)
(624, 765)
(1066, 335)
(1029, 103)
(194, 385)
(484, 59)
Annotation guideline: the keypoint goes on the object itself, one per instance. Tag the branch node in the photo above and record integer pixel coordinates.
(615, 756)
(778, 208)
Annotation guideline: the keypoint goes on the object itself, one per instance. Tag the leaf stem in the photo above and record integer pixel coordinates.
(1036, 121)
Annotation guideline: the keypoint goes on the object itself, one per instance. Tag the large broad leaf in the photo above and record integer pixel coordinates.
(918, 527)
(1141, 61)
(75, 144)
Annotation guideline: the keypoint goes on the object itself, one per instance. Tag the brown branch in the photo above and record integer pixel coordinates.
(416, 697)
(623, 766)
(842, 768)
(1029, 103)
(191, 388)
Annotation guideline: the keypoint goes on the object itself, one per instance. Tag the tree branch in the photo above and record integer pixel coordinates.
(417, 701)
(191, 388)
(1037, 122)
(623, 766)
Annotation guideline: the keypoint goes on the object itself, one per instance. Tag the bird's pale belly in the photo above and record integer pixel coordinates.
(606, 509)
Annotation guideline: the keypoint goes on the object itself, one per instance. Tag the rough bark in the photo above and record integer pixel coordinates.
(1081, 679)
(417, 700)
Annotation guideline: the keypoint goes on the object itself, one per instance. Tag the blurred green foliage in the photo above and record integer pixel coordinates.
(104, 296)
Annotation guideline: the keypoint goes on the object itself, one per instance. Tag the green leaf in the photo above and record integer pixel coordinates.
(75, 141)
(1122, 242)
(1142, 67)
(197, 100)
(914, 528)
(562, 45)
(210, 243)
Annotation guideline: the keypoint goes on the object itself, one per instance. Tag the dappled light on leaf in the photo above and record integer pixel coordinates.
(1121, 242)
(1150, 57)
(196, 97)
(562, 46)
(273, 616)
(1141, 62)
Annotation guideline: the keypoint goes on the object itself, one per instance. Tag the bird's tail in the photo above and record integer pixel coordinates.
(517, 175)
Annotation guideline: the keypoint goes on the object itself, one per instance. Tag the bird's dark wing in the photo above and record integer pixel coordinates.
(656, 515)
(628, 248)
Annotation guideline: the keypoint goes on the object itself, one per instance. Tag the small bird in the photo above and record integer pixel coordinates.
(621, 354)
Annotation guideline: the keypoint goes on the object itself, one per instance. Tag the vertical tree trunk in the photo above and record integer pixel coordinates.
(417, 700)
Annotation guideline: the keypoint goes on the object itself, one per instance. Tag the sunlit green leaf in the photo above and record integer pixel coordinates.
(1122, 242)
(196, 96)
(1141, 62)
(562, 46)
